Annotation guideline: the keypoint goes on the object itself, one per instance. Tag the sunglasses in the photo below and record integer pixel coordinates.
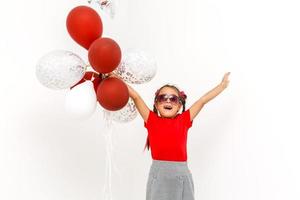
(164, 98)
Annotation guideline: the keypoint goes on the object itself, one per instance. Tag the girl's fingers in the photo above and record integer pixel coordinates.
(226, 76)
(225, 80)
(111, 74)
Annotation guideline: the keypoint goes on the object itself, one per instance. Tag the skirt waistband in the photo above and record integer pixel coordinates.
(169, 167)
(167, 163)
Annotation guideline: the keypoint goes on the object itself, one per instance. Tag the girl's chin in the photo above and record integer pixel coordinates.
(168, 113)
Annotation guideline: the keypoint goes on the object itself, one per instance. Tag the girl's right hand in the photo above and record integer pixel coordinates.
(132, 92)
(111, 74)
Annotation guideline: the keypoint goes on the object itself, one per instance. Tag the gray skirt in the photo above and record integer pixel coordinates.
(169, 180)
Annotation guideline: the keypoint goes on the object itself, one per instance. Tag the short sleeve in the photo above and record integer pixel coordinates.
(151, 118)
(186, 118)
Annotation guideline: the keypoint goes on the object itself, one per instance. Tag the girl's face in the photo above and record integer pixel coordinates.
(168, 105)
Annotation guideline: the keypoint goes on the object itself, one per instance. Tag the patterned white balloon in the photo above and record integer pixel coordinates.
(126, 114)
(60, 69)
(108, 6)
(136, 67)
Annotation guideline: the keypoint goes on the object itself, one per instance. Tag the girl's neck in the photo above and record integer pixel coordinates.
(169, 117)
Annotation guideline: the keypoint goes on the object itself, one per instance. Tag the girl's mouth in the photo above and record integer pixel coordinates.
(168, 107)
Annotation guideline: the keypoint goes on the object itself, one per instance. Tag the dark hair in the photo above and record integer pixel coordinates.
(182, 97)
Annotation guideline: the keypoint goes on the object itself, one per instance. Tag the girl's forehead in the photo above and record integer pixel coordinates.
(168, 90)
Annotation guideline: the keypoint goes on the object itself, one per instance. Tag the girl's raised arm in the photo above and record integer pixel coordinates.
(198, 105)
(138, 101)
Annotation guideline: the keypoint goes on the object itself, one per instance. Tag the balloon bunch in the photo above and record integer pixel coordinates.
(63, 69)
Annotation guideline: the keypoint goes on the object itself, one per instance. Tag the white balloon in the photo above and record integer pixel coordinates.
(81, 100)
(136, 67)
(126, 114)
(60, 69)
(108, 6)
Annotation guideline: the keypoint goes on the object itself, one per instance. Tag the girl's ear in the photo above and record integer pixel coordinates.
(155, 105)
(179, 108)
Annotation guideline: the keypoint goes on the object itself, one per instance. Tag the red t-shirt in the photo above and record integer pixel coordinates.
(168, 136)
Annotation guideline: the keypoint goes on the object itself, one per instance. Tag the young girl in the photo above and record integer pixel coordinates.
(169, 177)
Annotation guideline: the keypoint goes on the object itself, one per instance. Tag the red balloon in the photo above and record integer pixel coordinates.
(92, 76)
(84, 25)
(112, 94)
(104, 55)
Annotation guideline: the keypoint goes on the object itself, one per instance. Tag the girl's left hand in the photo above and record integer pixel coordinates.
(225, 80)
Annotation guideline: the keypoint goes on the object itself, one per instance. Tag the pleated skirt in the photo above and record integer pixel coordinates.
(169, 180)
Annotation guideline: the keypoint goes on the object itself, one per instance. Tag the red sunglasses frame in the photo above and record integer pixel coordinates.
(164, 98)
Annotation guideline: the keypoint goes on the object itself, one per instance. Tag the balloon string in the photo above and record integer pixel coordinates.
(107, 189)
(85, 67)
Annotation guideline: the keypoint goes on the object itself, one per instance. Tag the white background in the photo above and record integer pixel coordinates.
(243, 145)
